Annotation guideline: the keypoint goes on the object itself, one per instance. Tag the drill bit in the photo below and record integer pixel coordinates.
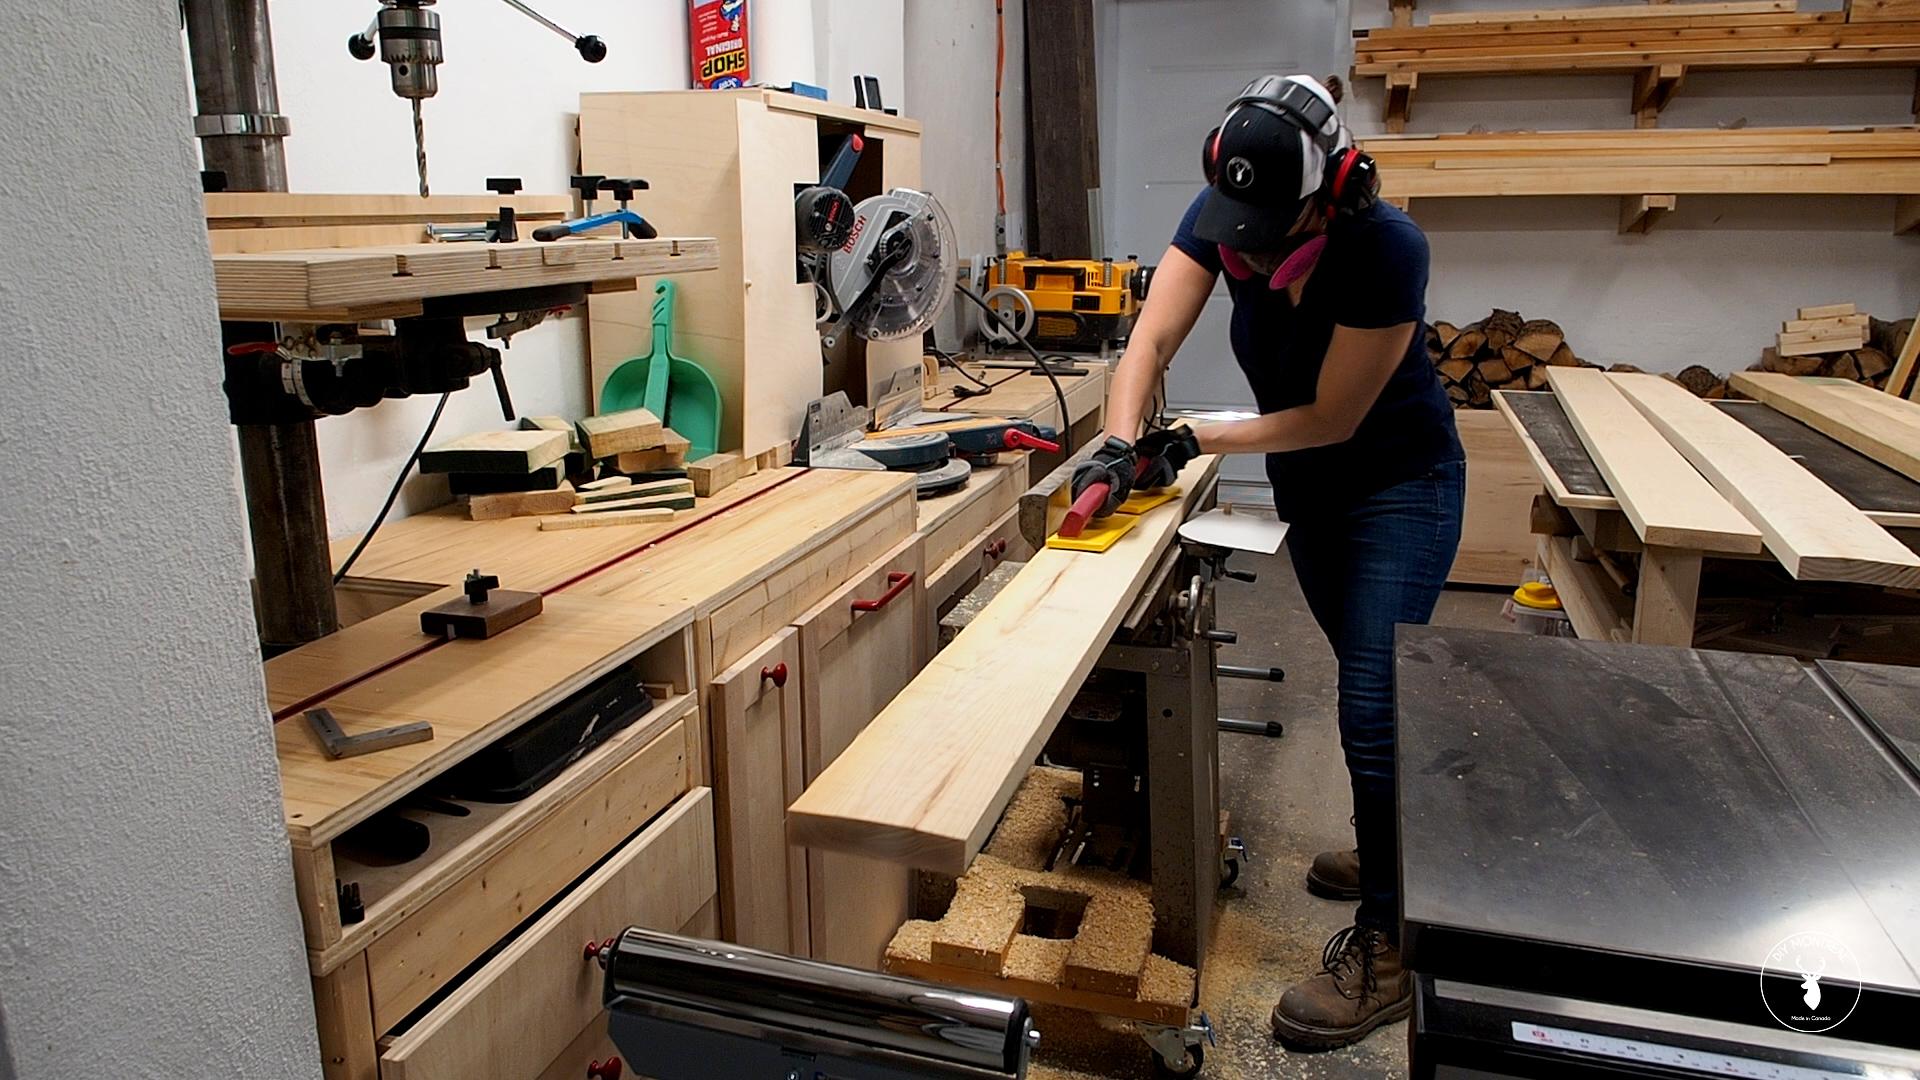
(420, 147)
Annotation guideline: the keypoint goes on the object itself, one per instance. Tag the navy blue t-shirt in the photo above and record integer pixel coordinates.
(1372, 275)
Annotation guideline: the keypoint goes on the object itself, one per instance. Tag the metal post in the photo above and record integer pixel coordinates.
(230, 45)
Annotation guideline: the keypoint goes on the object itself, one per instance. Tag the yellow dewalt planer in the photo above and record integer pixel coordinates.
(1075, 304)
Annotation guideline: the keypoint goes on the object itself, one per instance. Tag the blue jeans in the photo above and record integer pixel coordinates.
(1365, 569)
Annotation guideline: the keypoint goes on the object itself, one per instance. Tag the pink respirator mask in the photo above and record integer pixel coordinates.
(1293, 269)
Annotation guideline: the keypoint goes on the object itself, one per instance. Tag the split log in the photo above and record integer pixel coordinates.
(1518, 360)
(1625, 369)
(1457, 395)
(1845, 366)
(1540, 338)
(1872, 362)
(1537, 377)
(1563, 357)
(1445, 332)
(1502, 328)
(1771, 360)
(1479, 394)
(1494, 371)
(1454, 370)
(1464, 347)
(1698, 379)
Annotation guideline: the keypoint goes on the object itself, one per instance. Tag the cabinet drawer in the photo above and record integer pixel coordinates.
(521, 1009)
(593, 1046)
(998, 542)
(852, 663)
(434, 944)
(741, 624)
(757, 773)
(990, 493)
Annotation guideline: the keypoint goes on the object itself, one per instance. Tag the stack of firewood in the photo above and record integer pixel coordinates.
(1500, 352)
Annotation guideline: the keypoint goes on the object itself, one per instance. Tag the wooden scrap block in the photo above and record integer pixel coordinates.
(631, 490)
(671, 501)
(981, 923)
(612, 434)
(670, 454)
(1794, 326)
(1115, 939)
(1827, 311)
(542, 479)
(521, 503)
(553, 423)
(715, 472)
(610, 517)
(496, 452)
(606, 483)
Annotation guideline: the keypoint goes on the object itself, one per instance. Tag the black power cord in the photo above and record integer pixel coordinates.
(398, 481)
(1039, 361)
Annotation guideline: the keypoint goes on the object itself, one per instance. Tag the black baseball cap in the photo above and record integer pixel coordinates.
(1264, 163)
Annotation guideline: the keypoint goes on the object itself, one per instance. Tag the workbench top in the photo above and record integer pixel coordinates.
(1638, 809)
(610, 594)
(1022, 394)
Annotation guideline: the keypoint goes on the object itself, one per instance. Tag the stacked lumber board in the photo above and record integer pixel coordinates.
(1677, 161)
(954, 745)
(1821, 331)
(260, 221)
(1659, 43)
(330, 284)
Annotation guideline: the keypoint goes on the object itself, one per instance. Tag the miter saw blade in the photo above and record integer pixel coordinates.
(896, 274)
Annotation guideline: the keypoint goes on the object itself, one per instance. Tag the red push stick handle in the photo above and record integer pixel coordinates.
(1083, 509)
(897, 582)
(1016, 439)
(778, 673)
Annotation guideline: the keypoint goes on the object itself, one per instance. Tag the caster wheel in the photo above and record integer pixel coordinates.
(1195, 1059)
(1230, 873)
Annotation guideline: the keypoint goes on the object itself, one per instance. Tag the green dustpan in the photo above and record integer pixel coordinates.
(675, 389)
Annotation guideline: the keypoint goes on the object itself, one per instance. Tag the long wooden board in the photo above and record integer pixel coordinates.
(1613, 11)
(1816, 534)
(1669, 503)
(925, 782)
(1892, 442)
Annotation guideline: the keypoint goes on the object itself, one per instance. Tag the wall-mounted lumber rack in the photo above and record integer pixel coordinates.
(1656, 43)
(1641, 165)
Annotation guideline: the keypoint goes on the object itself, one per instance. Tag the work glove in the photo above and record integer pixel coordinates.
(1113, 464)
(1165, 452)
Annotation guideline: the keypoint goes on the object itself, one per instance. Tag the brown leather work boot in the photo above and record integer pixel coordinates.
(1361, 985)
(1335, 875)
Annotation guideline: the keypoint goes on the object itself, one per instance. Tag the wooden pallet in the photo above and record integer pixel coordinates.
(1638, 165)
(1657, 43)
(339, 284)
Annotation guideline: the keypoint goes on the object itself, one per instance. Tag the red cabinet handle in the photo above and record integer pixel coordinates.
(997, 548)
(778, 673)
(897, 582)
(605, 1070)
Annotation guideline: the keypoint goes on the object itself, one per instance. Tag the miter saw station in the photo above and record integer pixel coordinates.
(938, 448)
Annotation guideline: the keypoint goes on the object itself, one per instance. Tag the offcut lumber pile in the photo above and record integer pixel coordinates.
(1070, 936)
(1500, 352)
(1837, 342)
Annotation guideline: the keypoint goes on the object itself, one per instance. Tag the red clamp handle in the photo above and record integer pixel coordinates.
(249, 348)
(778, 673)
(595, 949)
(609, 1069)
(1017, 439)
(897, 582)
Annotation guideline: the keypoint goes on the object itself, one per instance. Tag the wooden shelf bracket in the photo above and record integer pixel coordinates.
(1653, 88)
(1402, 12)
(1400, 86)
(1639, 212)
(1906, 214)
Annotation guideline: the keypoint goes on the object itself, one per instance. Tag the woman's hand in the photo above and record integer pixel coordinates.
(1357, 367)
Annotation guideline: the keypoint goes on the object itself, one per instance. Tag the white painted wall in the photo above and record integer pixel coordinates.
(1712, 281)
(147, 920)
(949, 89)
(509, 97)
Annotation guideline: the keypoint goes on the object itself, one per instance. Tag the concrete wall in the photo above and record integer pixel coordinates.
(950, 80)
(1714, 279)
(508, 102)
(147, 921)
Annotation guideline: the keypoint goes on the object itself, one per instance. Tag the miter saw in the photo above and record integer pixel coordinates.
(892, 275)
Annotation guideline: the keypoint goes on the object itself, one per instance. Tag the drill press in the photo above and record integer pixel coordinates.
(407, 33)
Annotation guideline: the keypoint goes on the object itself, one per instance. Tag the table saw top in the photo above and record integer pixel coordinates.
(1645, 821)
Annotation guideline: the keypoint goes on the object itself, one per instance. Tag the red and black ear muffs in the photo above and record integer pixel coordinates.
(1352, 181)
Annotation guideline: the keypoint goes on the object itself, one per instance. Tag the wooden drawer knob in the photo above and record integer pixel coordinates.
(777, 673)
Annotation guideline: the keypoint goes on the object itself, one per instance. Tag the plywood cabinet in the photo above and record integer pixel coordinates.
(858, 648)
(758, 771)
(724, 164)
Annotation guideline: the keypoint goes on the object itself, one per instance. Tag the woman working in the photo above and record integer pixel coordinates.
(1328, 288)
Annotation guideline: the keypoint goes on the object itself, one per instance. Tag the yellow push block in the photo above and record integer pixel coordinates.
(1142, 501)
(1099, 535)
